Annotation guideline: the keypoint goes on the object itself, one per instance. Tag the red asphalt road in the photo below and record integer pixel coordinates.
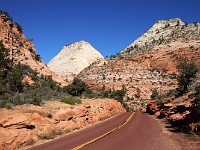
(142, 132)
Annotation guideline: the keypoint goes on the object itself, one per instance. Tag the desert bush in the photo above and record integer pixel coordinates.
(191, 96)
(196, 102)
(36, 100)
(37, 57)
(7, 15)
(5, 104)
(154, 94)
(187, 73)
(171, 93)
(19, 27)
(71, 100)
(77, 87)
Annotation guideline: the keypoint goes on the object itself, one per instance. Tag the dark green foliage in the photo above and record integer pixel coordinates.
(154, 94)
(137, 95)
(191, 96)
(115, 94)
(37, 57)
(14, 78)
(197, 100)
(5, 66)
(183, 125)
(71, 100)
(36, 100)
(5, 104)
(6, 14)
(19, 27)
(13, 91)
(5, 62)
(77, 87)
(187, 73)
(118, 95)
(171, 93)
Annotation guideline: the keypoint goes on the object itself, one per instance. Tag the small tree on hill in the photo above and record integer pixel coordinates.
(5, 65)
(76, 88)
(154, 94)
(19, 27)
(187, 73)
(5, 61)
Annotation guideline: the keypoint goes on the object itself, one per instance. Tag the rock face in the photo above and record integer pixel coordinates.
(141, 70)
(73, 58)
(27, 124)
(22, 49)
(179, 111)
(161, 33)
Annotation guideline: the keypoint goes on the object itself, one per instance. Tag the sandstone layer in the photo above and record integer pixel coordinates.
(148, 63)
(141, 73)
(27, 124)
(73, 58)
(178, 111)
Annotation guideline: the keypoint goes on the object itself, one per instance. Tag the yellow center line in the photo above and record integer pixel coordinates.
(103, 135)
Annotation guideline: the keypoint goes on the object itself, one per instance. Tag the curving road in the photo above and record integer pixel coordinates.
(139, 132)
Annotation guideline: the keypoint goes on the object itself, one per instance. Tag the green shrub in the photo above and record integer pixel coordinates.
(71, 100)
(77, 87)
(192, 95)
(36, 100)
(37, 57)
(5, 104)
(171, 93)
(19, 27)
(154, 94)
(187, 73)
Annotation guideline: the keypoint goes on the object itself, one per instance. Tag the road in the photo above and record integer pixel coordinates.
(139, 132)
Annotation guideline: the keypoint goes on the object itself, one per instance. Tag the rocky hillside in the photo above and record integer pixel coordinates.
(162, 33)
(73, 58)
(141, 73)
(22, 49)
(179, 112)
(28, 124)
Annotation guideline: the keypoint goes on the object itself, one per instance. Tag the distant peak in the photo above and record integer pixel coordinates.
(169, 22)
(79, 42)
(83, 41)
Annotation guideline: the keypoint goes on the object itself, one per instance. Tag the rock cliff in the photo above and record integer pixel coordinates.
(73, 58)
(178, 111)
(162, 33)
(22, 49)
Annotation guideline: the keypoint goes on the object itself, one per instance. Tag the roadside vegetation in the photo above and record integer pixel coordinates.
(187, 79)
(14, 91)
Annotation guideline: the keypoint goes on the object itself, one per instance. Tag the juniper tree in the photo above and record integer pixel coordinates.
(187, 73)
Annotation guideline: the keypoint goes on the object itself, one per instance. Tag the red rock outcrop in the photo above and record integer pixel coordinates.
(178, 111)
(28, 124)
(22, 49)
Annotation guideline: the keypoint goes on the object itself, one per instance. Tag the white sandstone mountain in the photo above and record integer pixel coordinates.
(162, 33)
(73, 58)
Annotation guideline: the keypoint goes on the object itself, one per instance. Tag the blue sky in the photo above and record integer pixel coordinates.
(109, 25)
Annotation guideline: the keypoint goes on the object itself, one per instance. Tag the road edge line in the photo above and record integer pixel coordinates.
(103, 135)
